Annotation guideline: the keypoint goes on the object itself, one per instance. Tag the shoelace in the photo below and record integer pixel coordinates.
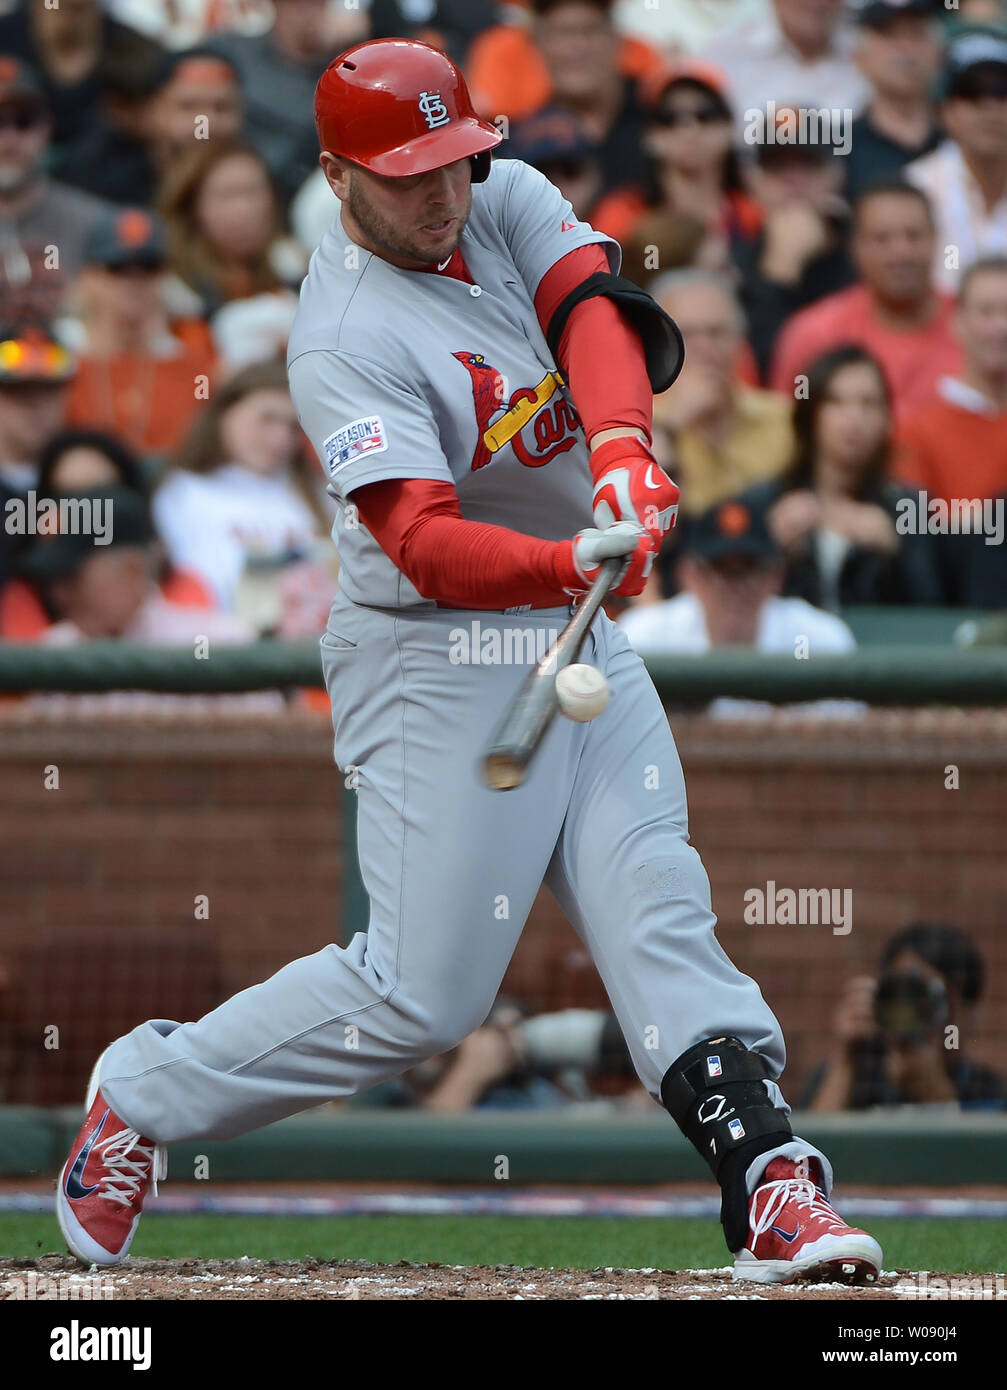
(803, 1193)
(129, 1163)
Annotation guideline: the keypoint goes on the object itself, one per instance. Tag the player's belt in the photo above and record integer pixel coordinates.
(518, 612)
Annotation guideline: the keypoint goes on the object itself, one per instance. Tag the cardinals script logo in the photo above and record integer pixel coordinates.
(537, 421)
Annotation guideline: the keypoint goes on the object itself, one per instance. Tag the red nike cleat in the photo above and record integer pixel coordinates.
(104, 1181)
(795, 1234)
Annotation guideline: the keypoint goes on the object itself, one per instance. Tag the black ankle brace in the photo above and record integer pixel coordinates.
(715, 1094)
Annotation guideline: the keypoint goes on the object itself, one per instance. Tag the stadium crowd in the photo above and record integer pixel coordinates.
(815, 190)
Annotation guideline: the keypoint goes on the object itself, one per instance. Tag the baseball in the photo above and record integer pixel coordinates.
(583, 692)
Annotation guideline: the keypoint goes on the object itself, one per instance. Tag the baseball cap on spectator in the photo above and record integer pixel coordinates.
(201, 64)
(654, 87)
(20, 84)
(781, 143)
(731, 528)
(544, 6)
(128, 237)
(550, 136)
(876, 14)
(29, 354)
(975, 64)
(56, 555)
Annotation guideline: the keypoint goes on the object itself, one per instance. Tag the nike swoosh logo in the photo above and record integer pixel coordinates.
(73, 1186)
(787, 1235)
(646, 478)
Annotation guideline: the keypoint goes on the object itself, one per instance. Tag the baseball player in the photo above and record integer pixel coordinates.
(477, 381)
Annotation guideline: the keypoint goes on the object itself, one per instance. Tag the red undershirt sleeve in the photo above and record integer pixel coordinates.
(469, 564)
(600, 353)
(462, 564)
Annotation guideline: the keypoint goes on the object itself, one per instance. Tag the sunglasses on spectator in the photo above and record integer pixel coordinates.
(672, 116)
(20, 117)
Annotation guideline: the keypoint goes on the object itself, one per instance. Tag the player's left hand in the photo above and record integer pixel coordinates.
(630, 486)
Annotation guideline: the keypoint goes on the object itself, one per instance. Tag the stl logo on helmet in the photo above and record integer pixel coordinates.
(554, 423)
(433, 110)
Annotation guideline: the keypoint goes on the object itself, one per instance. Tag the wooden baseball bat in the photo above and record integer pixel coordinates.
(534, 707)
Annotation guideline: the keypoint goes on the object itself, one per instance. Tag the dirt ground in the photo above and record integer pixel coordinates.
(55, 1276)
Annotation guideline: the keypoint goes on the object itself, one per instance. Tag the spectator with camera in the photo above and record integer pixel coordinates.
(515, 1061)
(897, 1035)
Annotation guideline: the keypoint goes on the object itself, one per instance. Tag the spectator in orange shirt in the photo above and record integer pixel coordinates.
(508, 72)
(955, 449)
(135, 379)
(581, 52)
(693, 168)
(895, 312)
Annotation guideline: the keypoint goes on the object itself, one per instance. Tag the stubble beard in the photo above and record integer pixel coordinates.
(389, 238)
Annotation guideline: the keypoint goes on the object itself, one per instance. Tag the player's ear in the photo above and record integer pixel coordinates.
(336, 171)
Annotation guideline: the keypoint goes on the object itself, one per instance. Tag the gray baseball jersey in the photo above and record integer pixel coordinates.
(400, 374)
(405, 374)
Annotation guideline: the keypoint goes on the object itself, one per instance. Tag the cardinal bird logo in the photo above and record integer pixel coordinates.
(553, 419)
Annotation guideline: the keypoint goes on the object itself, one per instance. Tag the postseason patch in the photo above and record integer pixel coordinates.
(354, 441)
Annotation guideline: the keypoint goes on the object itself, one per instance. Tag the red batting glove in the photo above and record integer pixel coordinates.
(629, 486)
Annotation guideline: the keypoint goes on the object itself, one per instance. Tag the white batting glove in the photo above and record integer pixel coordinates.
(592, 547)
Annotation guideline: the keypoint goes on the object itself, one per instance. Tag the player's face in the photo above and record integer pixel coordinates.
(417, 220)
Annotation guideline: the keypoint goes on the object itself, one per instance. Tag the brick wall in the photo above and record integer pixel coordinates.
(98, 878)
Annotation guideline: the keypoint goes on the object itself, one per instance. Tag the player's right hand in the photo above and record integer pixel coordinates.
(591, 548)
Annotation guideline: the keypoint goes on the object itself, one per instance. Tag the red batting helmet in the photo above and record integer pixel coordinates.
(400, 107)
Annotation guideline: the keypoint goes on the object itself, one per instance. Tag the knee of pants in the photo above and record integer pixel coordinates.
(429, 1030)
